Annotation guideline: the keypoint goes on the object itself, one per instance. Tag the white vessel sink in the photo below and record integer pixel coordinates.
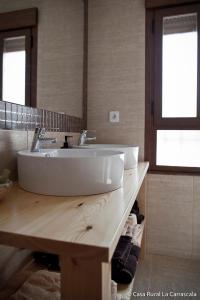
(70, 172)
(130, 152)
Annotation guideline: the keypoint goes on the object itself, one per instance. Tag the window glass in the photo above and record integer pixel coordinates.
(178, 148)
(179, 66)
(14, 67)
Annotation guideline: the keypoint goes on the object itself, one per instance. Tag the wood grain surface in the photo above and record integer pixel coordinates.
(83, 231)
(86, 225)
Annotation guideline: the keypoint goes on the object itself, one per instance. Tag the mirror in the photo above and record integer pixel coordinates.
(59, 51)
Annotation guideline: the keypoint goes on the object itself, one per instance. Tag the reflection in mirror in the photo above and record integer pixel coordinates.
(16, 80)
(48, 50)
(14, 67)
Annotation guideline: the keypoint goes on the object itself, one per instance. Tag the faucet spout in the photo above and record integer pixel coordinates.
(39, 139)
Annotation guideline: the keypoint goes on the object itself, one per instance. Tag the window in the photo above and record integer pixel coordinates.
(172, 88)
(18, 57)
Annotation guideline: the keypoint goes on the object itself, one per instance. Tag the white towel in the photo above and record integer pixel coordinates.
(41, 285)
(137, 234)
(132, 219)
(113, 290)
(130, 223)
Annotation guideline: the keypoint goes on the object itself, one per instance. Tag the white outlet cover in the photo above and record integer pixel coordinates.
(114, 116)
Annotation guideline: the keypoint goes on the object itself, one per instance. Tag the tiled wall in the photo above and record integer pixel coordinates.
(60, 52)
(14, 116)
(116, 70)
(116, 79)
(173, 225)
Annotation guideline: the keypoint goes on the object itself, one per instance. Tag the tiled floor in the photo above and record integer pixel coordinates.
(162, 275)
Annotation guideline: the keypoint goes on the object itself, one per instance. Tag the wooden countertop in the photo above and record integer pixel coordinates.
(78, 226)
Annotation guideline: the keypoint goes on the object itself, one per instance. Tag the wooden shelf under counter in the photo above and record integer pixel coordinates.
(83, 231)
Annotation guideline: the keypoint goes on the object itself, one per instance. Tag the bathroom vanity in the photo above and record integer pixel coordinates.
(82, 230)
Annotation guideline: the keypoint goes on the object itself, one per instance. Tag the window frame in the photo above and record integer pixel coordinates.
(153, 91)
(22, 22)
(15, 33)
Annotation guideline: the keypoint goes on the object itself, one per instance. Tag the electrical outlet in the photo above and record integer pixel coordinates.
(114, 116)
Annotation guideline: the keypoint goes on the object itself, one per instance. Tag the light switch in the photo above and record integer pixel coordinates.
(114, 116)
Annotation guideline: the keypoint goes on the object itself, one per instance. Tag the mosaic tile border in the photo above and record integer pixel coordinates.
(19, 117)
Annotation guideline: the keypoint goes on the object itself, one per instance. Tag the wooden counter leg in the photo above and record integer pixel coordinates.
(84, 279)
(106, 281)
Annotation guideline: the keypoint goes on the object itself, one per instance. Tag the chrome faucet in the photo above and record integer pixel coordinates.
(39, 139)
(83, 138)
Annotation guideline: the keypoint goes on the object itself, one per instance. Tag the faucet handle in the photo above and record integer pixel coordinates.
(90, 131)
(84, 131)
(39, 131)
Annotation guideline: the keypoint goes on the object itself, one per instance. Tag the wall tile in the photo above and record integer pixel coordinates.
(170, 213)
(24, 118)
(28, 117)
(34, 118)
(113, 135)
(14, 115)
(19, 117)
(11, 141)
(196, 219)
(116, 70)
(2, 115)
(8, 115)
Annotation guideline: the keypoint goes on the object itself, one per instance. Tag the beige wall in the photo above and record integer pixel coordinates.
(116, 70)
(60, 52)
(116, 81)
(173, 205)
